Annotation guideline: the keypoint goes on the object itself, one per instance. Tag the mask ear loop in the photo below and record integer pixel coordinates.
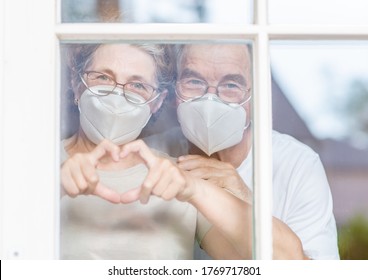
(248, 125)
(245, 101)
(71, 94)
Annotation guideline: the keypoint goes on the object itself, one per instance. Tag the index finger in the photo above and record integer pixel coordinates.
(142, 149)
(104, 147)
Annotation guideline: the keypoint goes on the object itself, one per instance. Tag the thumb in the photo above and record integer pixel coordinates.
(130, 196)
(107, 193)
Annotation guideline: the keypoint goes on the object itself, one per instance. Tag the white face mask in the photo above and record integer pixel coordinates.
(210, 124)
(111, 117)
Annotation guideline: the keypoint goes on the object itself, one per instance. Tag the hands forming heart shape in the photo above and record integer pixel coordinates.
(164, 178)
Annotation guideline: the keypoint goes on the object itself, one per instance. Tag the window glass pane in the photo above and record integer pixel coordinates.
(350, 12)
(320, 96)
(158, 11)
(104, 93)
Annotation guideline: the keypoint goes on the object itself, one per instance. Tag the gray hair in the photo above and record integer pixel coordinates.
(180, 53)
(80, 56)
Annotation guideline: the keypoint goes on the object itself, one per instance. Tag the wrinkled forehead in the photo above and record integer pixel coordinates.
(216, 57)
(216, 51)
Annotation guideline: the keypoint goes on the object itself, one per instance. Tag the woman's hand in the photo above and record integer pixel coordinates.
(164, 178)
(79, 176)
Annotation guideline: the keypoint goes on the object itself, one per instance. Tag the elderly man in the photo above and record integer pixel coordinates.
(213, 91)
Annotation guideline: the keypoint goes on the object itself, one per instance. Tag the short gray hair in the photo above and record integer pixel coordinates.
(80, 56)
(180, 52)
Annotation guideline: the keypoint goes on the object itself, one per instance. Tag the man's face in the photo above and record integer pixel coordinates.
(216, 64)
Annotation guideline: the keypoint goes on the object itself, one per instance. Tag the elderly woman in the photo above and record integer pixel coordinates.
(109, 109)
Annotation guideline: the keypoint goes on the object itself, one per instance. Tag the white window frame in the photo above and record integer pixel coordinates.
(29, 132)
(29, 112)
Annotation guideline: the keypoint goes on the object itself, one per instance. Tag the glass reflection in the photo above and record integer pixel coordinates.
(127, 199)
(320, 96)
(159, 11)
(326, 12)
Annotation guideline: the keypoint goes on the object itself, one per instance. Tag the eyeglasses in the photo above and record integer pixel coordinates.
(135, 92)
(231, 92)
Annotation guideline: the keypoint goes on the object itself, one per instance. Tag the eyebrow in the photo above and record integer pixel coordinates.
(138, 77)
(187, 73)
(105, 71)
(236, 78)
(130, 78)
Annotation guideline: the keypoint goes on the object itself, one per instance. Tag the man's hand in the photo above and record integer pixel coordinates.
(222, 174)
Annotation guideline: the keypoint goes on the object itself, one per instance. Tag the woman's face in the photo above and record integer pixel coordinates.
(112, 117)
(125, 63)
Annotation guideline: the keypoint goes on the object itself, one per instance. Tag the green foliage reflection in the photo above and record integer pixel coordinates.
(353, 239)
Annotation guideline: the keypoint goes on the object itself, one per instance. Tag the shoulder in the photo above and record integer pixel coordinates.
(295, 165)
(285, 146)
(286, 141)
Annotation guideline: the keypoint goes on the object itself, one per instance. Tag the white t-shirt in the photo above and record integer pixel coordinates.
(301, 193)
(92, 228)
